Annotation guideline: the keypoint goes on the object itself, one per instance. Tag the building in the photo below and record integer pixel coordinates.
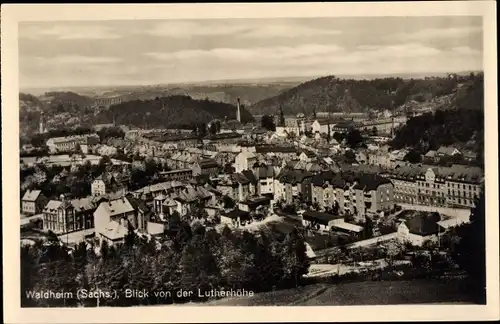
(179, 175)
(418, 227)
(357, 193)
(289, 184)
(447, 151)
(319, 221)
(66, 216)
(207, 167)
(265, 177)
(235, 218)
(244, 161)
(33, 202)
(455, 186)
(98, 187)
(113, 218)
(71, 143)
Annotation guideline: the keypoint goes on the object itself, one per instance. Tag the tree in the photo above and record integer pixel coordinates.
(267, 122)
(368, 228)
(282, 116)
(354, 139)
(228, 202)
(295, 260)
(413, 156)
(350, 155)
(471, 250)
(212, 128)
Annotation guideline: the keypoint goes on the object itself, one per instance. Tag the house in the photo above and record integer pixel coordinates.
(191, 197)
(431, 156)
(207, 167)
(251, 204)
(418, 227)
(265, 178)
(66, 216)
(112, 220)
(447, 151)
(33, 202)
(244, 161)
(235, 218)
(98, 187)
(315, 220)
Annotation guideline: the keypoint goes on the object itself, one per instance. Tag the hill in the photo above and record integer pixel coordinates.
(349, 95)
(170, 111)
(419, 291)
(460, 125)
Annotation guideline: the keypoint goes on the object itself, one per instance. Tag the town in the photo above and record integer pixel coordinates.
(334, 176)
(330, 161)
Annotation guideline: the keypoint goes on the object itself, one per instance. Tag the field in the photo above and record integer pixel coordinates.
(422, 291)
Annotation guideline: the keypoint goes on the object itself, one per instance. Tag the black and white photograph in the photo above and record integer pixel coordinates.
(252, 161)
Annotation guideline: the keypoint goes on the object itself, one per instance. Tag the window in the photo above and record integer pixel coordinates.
(459, 200)
(470, 187)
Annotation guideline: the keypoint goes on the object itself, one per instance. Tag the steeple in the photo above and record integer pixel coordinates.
(42, 128)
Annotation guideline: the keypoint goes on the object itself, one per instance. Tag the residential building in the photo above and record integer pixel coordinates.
(208, 167)
(33, 202)
(357, 193)
(98, 187)
(113, 219)
(447, 151)
(244, 161)
(418, 227)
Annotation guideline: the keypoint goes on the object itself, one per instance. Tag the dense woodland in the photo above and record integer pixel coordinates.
(188, 258)
(170, 111)
(333, 94)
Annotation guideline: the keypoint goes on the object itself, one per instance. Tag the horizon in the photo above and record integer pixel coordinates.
(236, 82)
(153, 52)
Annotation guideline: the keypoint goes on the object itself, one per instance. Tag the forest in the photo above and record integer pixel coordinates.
(173, 111)
(186, 257)
(336, 95)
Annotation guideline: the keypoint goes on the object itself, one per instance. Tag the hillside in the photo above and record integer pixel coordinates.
(420, 291)
(336, 95)
(173, 111)
(461, 125)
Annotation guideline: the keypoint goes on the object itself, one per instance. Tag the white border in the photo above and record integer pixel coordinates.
(12, 14)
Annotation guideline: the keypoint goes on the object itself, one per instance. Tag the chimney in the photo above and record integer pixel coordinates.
(238, 114)
(61, 197)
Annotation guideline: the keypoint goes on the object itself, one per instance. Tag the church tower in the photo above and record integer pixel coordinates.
(42, 128)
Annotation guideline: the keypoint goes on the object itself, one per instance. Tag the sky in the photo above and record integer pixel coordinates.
(134, 52)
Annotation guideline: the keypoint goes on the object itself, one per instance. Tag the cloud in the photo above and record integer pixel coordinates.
(465, 50)
(438, 33)
(298, 55)
(67, 32)
(256, 29)
(74, 59)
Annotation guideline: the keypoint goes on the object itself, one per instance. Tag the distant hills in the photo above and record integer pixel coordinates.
(170, 111)
(349, 95)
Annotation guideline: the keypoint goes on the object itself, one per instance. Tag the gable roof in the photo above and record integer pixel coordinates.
(31, 195)
(421, 223)
(447, 150)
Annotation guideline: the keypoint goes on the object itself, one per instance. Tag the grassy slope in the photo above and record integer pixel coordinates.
(358, 293)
